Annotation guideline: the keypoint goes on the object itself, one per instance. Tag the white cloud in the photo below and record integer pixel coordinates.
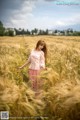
(21, 17)
(69, 21)
(30, 21)
(25, 18)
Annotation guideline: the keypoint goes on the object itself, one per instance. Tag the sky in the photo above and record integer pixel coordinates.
(41, 14)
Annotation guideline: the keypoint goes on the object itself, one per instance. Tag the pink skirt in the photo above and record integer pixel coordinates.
(35, 79)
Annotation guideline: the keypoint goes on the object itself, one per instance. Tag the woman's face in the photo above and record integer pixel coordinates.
(40, 47)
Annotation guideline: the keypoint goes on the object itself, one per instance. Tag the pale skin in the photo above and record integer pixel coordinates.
(27, 62)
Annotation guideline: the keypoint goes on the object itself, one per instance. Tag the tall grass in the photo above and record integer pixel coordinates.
(60, 91)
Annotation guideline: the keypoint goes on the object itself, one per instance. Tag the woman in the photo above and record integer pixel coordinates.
(37, 60)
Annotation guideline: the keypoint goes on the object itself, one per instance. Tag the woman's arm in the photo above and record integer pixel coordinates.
(26, 63)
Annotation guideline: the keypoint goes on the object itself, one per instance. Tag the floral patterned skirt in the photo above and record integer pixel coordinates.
(35, 79)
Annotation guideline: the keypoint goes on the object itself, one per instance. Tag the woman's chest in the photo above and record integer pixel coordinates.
(35, 55)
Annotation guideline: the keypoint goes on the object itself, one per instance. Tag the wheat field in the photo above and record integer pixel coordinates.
(59, 98)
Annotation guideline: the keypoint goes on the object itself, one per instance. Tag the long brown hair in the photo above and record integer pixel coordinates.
(44, 49)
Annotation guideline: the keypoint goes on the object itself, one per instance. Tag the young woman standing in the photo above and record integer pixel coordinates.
(37, 60)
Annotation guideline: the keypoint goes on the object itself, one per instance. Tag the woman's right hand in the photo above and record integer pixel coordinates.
(19, 67)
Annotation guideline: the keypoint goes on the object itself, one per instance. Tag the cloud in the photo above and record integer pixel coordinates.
(46, 22)
(22, 17)
(70, 21)
(25, 14)
(51, 0)
(17, 16)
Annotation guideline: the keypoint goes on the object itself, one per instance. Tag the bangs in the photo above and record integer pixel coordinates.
(42, 43)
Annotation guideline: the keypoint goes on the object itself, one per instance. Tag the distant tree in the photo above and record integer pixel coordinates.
(28, 32)
(71, 31)
(18, 31)
(40, 32)
(1, 24)
(62, 32)
(23, 32)
(35, 31)
(76, 33)
(6, 33)
(32, 32)
(11, 33)
(46, 32)
(2, 29)
(55, 31)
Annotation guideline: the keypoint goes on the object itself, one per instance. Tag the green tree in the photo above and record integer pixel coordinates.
(11, 33)
(46, 32)
(27, 32)
(2, 29)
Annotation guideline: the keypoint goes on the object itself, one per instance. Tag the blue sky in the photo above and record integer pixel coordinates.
(41, 14)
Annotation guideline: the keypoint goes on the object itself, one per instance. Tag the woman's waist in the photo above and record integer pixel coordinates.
(35, 67)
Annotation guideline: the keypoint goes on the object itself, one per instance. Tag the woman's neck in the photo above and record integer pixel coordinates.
(37, 49)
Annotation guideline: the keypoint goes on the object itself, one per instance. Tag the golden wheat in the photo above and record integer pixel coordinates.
(59, 97)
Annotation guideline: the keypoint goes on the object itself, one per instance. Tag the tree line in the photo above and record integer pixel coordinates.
(13, 31)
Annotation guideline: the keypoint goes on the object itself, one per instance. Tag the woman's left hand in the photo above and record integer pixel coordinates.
(46, 68)
(43, 68)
